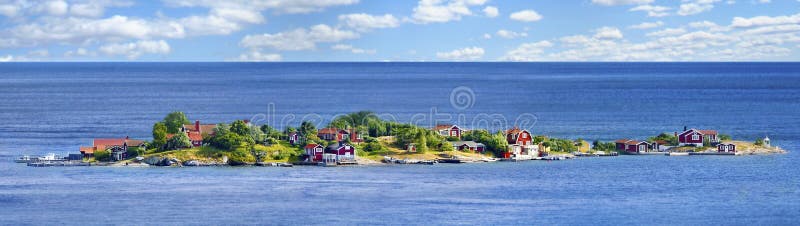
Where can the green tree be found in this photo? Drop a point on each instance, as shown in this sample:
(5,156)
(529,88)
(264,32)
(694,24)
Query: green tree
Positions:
(102,155)
(307,129)
(240,128)
(725,137)
(159,135)
(174,121)
(759,142)
(180,140)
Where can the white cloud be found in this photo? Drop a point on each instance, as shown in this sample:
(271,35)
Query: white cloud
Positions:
(298,39)
(668,32)
(647,25)
(740,22)
(343,47)
(652,10)
(691,7)
(56,7)
(280,6)
(621,2)
(608,33)
(491,11)
(95,8)
(528,51)
(9,10)
(256,56)
(441,11)
(526,16)
(7,58)
(510,34)
(463,54)
(133,50)
(366,22)
(487,36)
(81,30)
(80,52)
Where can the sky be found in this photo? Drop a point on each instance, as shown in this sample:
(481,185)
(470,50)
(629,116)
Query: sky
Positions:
(399,30)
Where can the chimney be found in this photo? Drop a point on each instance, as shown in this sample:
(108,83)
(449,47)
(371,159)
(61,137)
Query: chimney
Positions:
(197,126)
(684,128)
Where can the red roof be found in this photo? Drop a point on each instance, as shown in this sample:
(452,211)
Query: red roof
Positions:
(87,150)
(515,130)
(204,128)
(195,136)
(102,144)
(707,132)
(443,126)
(310,146)
(328,131)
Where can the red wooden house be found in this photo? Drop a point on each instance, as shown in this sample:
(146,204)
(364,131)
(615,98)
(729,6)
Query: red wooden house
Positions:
(635,146)
(195,132)
(334,134)
(314,152)
(695,137)
(339,153)
(118,148)
(449,130)
(519,137)
(294,138)
(468,146)
(726,147)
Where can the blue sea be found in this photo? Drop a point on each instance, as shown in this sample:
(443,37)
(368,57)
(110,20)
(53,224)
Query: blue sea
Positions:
(57,107)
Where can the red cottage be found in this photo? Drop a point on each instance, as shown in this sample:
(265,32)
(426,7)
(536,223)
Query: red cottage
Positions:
(635,146)
(195,132)
(334,134)
(695,137)
(294,138)
(118,148)
(449,130)
(339,153)
(517,136)
(314,152)
(726,147)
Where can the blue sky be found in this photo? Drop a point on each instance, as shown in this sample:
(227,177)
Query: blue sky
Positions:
(425,30)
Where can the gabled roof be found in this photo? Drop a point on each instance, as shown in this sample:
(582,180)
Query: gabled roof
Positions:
(468,143)
(622,141)
(726,144)
(195,136)
(515,130)
(309,146)
(204,128)
(328,131)
(707,132)
(445,126)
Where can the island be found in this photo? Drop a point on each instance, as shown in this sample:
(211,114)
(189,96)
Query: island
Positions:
(362,138)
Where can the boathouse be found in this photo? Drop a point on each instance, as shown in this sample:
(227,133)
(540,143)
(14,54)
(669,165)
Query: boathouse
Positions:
(314,152)
(726,147)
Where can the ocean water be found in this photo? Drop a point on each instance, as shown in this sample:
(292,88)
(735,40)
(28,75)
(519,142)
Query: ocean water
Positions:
(56,107)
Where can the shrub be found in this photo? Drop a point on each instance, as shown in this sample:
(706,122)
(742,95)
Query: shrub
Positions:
(102,155)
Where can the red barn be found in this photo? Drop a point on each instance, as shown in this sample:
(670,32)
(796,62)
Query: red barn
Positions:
(314,152)
(449,130)
(726,147)
(519,137)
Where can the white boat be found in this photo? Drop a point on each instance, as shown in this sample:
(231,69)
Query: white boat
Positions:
(48,157)
(23,159)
